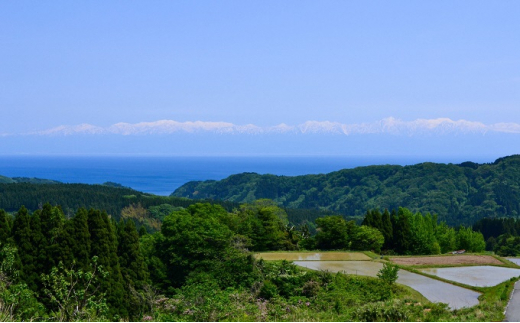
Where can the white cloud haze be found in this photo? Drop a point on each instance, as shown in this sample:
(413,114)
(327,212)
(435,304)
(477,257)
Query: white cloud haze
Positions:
(393,126)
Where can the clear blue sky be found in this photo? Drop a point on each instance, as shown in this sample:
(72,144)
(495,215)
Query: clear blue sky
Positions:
(259,62)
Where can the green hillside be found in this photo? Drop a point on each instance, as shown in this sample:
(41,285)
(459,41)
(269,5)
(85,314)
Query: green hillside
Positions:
(32,180)
(4,179)
(459,194)
(71,197)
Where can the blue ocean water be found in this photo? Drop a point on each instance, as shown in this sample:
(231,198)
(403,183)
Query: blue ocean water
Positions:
(162,175)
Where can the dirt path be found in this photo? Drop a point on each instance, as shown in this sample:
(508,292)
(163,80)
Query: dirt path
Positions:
(447,260)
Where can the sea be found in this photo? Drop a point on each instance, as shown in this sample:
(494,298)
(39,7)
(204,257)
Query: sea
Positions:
(162,175)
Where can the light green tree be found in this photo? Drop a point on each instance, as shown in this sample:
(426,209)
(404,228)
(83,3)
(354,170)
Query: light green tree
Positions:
(75,294)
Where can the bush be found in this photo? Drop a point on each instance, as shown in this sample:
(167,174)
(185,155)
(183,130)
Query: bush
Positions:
(383,312)
(311,288)
(389,273)
(268,290)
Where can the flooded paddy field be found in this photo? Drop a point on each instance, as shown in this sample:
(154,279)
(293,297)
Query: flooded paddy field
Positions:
(514,260)
(479,276)
(447,260)
(312,256)
(433,290)
(363,268)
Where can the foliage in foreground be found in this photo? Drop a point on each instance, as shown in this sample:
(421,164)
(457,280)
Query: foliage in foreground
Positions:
(198,268)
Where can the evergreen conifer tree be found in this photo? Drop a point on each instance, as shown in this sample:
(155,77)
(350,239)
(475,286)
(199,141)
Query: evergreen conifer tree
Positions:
(22,238)
(403,231)
(103,246)
(81,238)
(5,231)
(40,258)
(133,267)
(387,230)
(66,245)
(367,220)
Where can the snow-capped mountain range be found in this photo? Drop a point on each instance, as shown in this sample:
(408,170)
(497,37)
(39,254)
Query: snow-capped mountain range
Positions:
(393,126)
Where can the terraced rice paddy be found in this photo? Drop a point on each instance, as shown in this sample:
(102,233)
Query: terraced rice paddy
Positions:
(433,290)
(480,276)
(514,260)
(312,256)
(447,260)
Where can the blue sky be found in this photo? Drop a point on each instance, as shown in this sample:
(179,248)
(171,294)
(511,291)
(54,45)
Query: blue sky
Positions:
(101,63)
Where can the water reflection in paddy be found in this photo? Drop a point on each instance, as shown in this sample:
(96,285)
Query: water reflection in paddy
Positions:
(434,290)
(483,276)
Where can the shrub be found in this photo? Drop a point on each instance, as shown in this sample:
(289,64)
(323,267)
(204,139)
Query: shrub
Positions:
(311,288)
(268,290)
(389,273)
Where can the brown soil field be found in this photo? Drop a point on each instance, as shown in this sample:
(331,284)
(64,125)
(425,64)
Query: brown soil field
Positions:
(447,260)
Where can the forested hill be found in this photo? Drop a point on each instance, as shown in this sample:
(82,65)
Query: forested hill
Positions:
(109,197)
(459,194)
(32,180)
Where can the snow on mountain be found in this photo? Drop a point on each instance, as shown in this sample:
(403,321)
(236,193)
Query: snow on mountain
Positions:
(392,126)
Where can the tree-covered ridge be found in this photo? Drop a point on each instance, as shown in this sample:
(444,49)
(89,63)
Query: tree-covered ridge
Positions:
(458,194)
(72,197)
(32,180)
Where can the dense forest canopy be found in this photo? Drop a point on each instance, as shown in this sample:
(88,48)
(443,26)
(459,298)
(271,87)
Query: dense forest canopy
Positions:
(458,194)
(118,201)
(200,266)
(109,197)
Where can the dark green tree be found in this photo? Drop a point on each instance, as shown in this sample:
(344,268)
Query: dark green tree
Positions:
(5,230)
(41,261)
(387,230)
(103,246)
(266,224)
(133,267)
(196,242)
(81,237)
(22,237)
(332,233)
(403,232)
(65,245)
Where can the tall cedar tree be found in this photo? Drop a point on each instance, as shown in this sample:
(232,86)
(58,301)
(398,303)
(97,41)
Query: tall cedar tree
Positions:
(39,253)
(387,231)
(393,219)
(133,267)
(103,246)
(52,224)
(373,219)
(367,220)
(81,237)
(403,232)
(66,244)
(22,238)
(4,228)
(131,260)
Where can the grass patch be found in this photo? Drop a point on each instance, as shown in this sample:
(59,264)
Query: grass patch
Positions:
(372,254)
